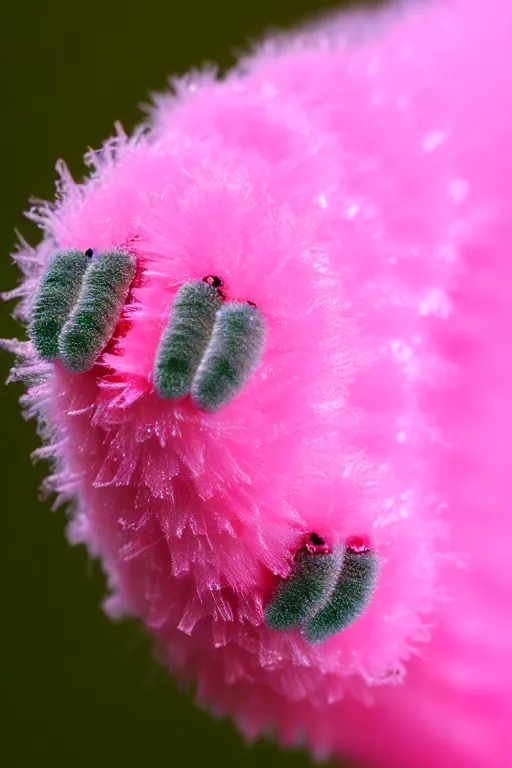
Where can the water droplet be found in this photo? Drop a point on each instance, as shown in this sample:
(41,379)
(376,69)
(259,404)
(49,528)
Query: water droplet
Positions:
(433,140)
(351,211)
(448,252)
(401,351)
(458,190)
(435,302)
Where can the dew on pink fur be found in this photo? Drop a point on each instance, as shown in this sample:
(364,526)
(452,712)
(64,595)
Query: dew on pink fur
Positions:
(358,544)
(354,181)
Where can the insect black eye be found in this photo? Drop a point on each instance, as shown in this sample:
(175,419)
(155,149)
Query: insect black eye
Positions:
(213,280)
(89,253)
(317,540)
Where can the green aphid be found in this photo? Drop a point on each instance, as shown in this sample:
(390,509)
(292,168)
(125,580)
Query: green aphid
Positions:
(57,293)
(185,338)
(299,597)
(96,313)
(233,354)
(351,595)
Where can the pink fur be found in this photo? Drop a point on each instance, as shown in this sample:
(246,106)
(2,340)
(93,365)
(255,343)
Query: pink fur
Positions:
(361,194)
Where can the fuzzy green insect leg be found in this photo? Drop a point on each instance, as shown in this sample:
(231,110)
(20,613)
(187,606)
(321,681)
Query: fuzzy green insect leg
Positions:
(351,595)
(185,338)
(299,597)
(57,293)
(93,320)
(232,356)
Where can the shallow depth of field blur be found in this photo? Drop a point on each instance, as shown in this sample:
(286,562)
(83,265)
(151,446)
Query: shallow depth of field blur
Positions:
(76,686)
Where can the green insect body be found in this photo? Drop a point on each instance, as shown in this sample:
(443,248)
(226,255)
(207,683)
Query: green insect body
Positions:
(185,338)
(93,319)
(297,598)
(233,354)
(56,295)
(349,599)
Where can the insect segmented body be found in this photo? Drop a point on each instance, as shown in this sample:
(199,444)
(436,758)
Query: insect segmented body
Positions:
(232,356)
(326,591)
(57,293)
(78,304)
(95,315)
(297,598)
(209,347)
(186,337)
(350,596)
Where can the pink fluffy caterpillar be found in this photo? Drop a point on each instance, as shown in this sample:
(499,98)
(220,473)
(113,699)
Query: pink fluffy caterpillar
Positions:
(352,196)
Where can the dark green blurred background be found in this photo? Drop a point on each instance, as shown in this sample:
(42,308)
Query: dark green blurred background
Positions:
(77,688)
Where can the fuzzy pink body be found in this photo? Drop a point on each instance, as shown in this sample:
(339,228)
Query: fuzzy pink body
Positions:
(360,192)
